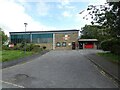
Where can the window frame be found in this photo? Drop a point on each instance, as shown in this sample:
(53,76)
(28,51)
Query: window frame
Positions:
(63,44)
(58,45)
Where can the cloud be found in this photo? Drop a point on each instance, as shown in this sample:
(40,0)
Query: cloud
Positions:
(65,2)
(67,8)
(97,2)
(13,17)
(42,8)
(66,14)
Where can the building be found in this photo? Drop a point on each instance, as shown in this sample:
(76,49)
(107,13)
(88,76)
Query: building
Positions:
(60,39)
(88,43)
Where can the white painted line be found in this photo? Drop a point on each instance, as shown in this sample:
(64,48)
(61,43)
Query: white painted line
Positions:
(103,73)
(12,84)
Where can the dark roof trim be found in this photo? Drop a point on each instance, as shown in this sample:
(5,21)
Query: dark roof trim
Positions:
(73,30)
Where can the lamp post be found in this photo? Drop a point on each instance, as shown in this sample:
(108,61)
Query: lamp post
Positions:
(25,35)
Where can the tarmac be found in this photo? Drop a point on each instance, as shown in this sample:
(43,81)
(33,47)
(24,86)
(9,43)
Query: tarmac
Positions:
(57,69)
(21,60)
(110,68)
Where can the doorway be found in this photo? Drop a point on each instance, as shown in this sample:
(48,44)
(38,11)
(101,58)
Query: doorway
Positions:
(73,45)
(80,45)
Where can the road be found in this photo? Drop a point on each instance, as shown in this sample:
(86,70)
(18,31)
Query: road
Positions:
(57,69)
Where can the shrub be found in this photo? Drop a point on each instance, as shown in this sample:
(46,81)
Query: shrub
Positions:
(32,47)
(29,47)
(105,45)
(16,47)
(5,47)
(22,45)
(36,45)
(112,45)
(37,49)
(115,49)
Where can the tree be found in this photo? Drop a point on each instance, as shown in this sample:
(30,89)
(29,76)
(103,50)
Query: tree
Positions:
(3,36)
(94,32)
(107,16)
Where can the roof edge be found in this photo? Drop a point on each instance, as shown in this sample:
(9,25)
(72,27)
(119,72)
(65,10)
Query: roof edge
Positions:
(46,31)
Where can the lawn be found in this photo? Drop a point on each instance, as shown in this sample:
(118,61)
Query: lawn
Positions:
(8,55)
(111,57)
(0,55)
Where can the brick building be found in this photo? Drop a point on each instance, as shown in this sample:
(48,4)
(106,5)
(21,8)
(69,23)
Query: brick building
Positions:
(60,39)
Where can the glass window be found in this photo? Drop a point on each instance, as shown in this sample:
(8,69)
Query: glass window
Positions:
(64,44)
(36,38)
(58,44)
(42,38)
(20,37)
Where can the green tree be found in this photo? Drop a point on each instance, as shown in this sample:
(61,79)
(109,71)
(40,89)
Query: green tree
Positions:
(107,15)
(94,32)
(3,36)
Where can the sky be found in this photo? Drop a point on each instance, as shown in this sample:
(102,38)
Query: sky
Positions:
(44,15)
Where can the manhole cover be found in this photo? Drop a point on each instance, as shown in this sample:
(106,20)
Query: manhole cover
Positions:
(21,76)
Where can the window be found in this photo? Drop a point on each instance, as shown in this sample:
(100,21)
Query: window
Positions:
(42,38)
(66,36)
(58,44)
(20,37)
(64,44)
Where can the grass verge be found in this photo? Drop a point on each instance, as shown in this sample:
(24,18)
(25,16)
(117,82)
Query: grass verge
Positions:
(0,55)
(8,55)
(112,57)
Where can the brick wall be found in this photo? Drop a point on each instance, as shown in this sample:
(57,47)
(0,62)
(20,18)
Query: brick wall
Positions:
(49,46)
(60,37)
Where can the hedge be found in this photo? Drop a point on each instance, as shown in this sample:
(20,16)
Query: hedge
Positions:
(112,45)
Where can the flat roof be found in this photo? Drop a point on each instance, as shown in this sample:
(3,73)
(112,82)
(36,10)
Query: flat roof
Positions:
(52,31)
(87,40)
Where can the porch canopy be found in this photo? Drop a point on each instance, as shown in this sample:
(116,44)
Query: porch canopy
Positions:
(88,40)
(87,43)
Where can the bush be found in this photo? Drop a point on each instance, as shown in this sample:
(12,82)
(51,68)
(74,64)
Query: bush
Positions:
(36,45)
(22,44)
(5,47)
(105,45)
(16,48)
(29,47)
(115,49)
(37,49)
(112,45)
(33,47)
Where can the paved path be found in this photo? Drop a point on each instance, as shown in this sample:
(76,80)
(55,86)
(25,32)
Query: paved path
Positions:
(105,64)
(57,69)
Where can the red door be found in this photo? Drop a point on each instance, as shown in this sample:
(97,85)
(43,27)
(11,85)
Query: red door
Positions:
(89,45)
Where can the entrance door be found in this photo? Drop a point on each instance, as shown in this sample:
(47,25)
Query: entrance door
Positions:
(89,45)
(80,45)
(73,45)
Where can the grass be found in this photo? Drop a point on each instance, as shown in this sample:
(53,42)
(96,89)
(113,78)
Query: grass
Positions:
(0,55)
(8,55)
(112,57)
